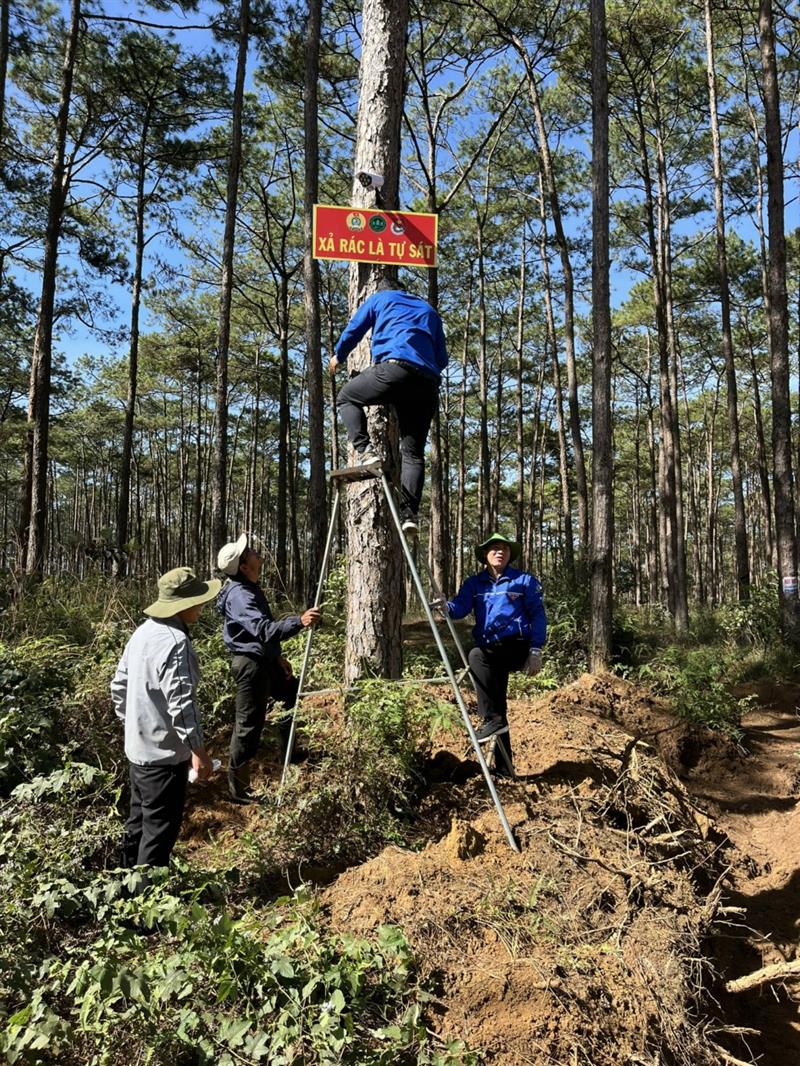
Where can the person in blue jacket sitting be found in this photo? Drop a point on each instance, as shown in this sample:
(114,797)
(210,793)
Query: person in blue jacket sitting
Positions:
(408,356)
(510,630)
(253,637)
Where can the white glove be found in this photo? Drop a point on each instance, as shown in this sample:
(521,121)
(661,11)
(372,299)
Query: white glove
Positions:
(533,663)
(438,603)
(215,765)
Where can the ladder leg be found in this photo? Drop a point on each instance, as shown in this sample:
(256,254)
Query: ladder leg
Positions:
(500,746)
(309,638)
(501,814)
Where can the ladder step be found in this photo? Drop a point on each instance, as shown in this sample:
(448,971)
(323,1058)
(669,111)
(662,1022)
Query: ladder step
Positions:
(355,473)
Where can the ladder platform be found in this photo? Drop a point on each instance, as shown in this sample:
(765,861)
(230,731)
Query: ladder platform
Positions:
(355,473)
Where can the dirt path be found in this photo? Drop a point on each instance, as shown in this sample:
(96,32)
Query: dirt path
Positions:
(756,801)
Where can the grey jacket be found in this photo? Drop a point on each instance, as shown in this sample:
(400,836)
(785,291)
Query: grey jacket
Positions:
(154,694)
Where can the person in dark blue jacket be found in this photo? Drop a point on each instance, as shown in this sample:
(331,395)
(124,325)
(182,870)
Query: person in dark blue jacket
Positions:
(408,356)
(253,638)
(510,630)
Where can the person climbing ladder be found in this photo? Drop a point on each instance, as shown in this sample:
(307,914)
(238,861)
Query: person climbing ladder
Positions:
(408,356)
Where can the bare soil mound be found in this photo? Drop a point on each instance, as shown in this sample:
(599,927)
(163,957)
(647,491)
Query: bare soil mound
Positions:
(758,807)
(587,946)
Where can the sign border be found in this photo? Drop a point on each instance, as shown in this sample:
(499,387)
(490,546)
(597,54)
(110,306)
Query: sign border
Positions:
(334,258)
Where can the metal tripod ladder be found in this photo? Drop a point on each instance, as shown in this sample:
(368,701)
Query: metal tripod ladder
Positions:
(360,473)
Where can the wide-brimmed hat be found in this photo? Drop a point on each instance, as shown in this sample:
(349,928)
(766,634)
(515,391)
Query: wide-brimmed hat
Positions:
(481,549)
(180,589)
(229,555)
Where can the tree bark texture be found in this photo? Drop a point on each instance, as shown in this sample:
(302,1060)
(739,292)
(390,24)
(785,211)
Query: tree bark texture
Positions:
(317,494)
(133,362)
(219,506)
(778,332)
(602,543)
(740,519)
(35,489)
(375,562)
(569,303)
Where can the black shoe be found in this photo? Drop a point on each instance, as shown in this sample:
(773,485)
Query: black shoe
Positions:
(501,770)
(490,728)
(239,786)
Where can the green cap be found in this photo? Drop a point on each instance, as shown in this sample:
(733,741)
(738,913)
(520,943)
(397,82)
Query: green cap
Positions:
(514,545)
(180,589)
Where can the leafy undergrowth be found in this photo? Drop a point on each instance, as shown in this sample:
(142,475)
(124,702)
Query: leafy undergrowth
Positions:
(179,972)
(222,962)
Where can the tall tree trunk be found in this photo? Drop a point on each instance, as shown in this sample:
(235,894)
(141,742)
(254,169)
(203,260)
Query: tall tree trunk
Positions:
(484,463)
(569,301)
(375,571)
(742,561)
(761,452)
(440,524)
(563,458)
(670,410)
(35,489)
(462,444)
(317,494)
(133,361)
(5,7)
(281,512)
(779,332)
(602,545)
(520,418)
(219,506)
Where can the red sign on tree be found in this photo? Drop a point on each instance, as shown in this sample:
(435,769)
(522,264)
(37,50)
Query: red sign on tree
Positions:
(402,238)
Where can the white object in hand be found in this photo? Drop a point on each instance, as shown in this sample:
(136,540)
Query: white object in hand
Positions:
(215,765)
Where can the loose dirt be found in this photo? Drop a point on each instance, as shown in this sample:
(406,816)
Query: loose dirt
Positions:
(587,946)
(756,802)
(656,863)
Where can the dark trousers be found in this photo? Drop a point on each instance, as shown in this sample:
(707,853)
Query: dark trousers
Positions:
(257,681)
(158,796)
(490,668)
(414,396)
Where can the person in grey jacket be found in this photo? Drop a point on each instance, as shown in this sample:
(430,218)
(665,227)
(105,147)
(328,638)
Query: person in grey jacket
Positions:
(154,692)
(253,637)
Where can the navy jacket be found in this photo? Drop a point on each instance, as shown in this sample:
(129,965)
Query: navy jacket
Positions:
(403,327)
(249,628)
(506,608)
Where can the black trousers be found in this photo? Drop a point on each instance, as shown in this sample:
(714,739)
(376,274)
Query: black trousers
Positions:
(257,681)
(414,396)
(158,796)
(490,668)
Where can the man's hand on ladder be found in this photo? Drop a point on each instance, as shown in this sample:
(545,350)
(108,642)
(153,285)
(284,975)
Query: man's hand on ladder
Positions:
(438,604)
(311,617)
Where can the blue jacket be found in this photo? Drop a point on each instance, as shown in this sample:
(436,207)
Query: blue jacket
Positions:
(249,628)
(403,327)
(511,607)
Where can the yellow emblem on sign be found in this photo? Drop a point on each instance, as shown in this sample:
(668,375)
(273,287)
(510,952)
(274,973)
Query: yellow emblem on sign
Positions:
(356,221)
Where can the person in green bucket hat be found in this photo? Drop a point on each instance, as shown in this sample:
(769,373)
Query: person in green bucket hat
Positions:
(154,693)
(509,632)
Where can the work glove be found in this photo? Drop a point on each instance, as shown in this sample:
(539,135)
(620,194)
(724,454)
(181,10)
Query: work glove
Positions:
(533,663)
(438,603)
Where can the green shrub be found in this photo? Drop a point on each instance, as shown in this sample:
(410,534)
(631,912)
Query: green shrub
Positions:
(756,622)
(698,681)
(359,789)
(34,678)
(92,975)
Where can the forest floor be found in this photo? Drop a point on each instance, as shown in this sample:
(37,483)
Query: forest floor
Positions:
(755,801)
(603,941)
